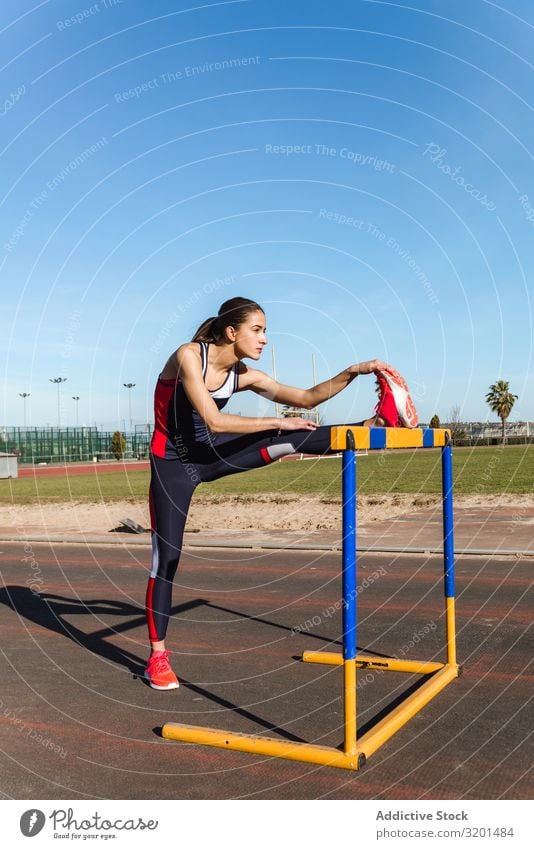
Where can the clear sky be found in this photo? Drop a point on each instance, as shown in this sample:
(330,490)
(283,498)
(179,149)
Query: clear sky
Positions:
(363,169)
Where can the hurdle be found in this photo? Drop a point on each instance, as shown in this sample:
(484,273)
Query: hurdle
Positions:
(355,751)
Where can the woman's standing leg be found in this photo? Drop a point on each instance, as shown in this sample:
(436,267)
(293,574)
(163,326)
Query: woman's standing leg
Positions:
(171,488)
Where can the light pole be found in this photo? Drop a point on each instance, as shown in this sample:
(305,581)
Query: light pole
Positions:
(24,395)
(58,381)
(129,387)
(76,398)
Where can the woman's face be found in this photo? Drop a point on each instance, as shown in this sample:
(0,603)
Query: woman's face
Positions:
(250,337)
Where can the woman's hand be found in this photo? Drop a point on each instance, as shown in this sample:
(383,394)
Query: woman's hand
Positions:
(295,423)
(367,368)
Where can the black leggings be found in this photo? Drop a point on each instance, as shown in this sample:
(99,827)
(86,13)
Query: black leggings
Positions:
(174,481)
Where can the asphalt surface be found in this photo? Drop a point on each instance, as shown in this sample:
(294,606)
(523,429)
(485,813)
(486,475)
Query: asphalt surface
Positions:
(77,722)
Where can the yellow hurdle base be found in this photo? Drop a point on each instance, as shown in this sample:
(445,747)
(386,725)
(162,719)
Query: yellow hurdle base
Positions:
(270,746)
(390,664)
(322,755)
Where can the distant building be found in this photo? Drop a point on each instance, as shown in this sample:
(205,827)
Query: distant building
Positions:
(301,413)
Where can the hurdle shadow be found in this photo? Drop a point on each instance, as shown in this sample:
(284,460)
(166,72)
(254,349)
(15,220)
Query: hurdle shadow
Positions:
(395,702)
(327,642)
(239,711)
(407,691)
(48,611)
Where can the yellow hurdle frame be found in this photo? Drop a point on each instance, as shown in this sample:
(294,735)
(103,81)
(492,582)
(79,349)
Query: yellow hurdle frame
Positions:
(356,751)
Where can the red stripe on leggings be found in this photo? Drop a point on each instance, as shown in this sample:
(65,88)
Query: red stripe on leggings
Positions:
(152,633)
(266,456)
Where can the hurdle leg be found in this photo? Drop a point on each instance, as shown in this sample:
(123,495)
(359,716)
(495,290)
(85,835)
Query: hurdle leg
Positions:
(349,595)
(448,551)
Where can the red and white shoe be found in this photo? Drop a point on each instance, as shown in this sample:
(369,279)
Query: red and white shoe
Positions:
(158,672)
(395,406)
(386,407)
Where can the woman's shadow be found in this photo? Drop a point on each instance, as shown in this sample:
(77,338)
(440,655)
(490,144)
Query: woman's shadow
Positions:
(50,611)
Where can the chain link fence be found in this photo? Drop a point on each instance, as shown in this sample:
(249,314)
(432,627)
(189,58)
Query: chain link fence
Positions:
(70,445)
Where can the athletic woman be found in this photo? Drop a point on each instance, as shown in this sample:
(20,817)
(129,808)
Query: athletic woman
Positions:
(195,442)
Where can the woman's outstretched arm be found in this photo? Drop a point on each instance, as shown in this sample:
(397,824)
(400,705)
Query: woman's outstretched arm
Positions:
(190,372)
(268,387)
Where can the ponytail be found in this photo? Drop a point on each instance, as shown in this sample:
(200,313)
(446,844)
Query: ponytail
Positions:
(231,314)
(206,331)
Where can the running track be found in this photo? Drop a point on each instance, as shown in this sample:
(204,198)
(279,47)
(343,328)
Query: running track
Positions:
(73,636)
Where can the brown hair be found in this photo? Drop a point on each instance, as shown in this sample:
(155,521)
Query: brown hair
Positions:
(231,314)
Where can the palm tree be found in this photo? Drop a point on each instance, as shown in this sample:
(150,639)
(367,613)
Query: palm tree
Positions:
(501,401)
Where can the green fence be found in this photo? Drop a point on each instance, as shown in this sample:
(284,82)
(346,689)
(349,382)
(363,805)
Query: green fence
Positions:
(68,445)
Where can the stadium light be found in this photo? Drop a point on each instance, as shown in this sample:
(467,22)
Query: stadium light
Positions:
(58,381)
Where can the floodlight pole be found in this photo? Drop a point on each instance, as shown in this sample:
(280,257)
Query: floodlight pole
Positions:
(24,395)
(76,398)
(129,387)
(58,381)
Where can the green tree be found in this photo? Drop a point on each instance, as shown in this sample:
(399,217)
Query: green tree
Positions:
(118,445)
(434,421)
(501,400)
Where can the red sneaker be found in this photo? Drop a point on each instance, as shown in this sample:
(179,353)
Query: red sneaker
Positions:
(158,672)
(386,407)
(393,388)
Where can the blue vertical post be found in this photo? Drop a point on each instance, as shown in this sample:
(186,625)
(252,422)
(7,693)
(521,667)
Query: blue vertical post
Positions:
(349,592)
(349,554)
(448,549)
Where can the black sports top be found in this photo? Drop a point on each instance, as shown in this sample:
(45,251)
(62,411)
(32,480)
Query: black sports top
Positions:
(177,423)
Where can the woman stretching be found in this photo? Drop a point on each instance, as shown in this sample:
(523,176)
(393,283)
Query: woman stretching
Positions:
(194,442)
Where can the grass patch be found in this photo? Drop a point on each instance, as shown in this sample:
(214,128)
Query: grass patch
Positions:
(484,471)
(110,486)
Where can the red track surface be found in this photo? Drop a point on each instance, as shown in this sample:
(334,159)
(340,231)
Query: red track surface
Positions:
(82,469)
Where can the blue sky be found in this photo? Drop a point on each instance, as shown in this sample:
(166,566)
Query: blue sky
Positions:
(363,169)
